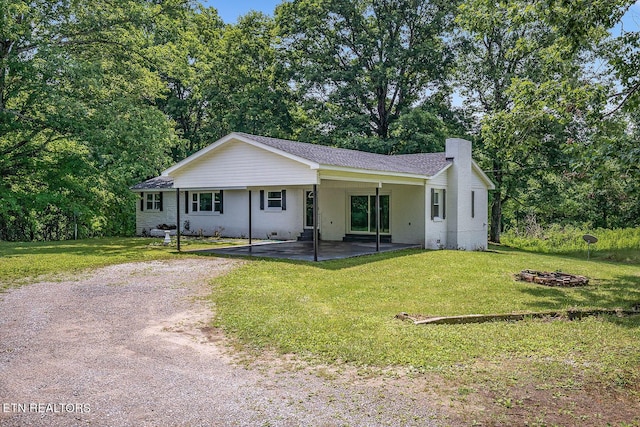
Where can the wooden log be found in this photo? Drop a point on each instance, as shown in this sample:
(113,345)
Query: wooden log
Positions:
(573,314)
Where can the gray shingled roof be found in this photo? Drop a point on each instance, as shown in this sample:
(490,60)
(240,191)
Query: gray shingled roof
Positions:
(426,164)
(157,183)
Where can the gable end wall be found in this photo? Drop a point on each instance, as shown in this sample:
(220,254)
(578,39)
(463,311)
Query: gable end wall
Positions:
(238,164)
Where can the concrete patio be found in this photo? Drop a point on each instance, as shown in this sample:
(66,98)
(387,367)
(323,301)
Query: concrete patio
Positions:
(304,250)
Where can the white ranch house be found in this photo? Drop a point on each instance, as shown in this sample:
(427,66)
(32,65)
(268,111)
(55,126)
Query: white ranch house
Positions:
(246,185)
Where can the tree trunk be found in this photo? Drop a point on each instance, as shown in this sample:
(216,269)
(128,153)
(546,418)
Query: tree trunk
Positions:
(496,203)
(496,217)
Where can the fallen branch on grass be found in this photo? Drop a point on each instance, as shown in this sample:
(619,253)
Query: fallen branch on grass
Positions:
(572,314)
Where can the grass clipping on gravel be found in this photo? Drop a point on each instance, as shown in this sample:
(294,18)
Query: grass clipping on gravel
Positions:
(344,310)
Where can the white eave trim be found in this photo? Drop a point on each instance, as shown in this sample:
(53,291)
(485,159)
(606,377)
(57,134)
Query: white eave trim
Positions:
(371,172)
(212,188)
(236,137)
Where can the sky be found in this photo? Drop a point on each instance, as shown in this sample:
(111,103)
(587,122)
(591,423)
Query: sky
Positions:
(230,10)
(631,20)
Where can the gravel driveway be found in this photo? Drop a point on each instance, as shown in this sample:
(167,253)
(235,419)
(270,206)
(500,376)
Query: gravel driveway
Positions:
(129,345)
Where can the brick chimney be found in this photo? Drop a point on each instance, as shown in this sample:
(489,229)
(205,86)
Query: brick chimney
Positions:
(460,176)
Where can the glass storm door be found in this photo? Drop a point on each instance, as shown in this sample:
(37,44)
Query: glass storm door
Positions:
(363,214)
(308,209)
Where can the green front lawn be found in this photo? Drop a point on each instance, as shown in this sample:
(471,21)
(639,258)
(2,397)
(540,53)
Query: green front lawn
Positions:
(344,310)
(534,372)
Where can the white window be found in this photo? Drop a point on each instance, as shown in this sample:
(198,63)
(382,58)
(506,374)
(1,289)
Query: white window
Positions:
(438,203)
(206,202)
(153,201)
(274,199)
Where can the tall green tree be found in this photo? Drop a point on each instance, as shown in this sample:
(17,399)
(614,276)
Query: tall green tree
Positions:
(77,120)
(605,173)
(600,189)
(224,78)
(598,25)
(190,70)
(254,94)
(358,66)
(527,87)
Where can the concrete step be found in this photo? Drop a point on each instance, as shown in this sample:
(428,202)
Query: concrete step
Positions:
(307,235)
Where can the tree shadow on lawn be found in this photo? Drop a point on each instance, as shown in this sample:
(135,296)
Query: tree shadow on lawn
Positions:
(622,291)
(332,265)
(623,283)
(627,256)
(85,247)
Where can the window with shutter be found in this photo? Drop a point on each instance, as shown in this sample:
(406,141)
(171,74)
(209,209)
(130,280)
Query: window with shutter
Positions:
(438,204)
(153,202)
(274,199)
(206,202)
(435,203)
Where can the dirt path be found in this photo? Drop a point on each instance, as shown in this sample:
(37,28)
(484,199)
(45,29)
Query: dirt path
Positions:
(128,345)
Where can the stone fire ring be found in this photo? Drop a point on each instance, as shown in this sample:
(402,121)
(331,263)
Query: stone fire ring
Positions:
(552,279)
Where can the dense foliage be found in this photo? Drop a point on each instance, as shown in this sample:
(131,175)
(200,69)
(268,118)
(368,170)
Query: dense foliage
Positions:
(78,123)
(96,96)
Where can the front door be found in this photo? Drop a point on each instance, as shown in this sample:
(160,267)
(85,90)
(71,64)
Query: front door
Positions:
(363,214)
(308,209)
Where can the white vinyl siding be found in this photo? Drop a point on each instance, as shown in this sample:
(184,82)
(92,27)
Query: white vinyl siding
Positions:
(408,218)
(440,180)
(149,219)
(285,225)
(237,164)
